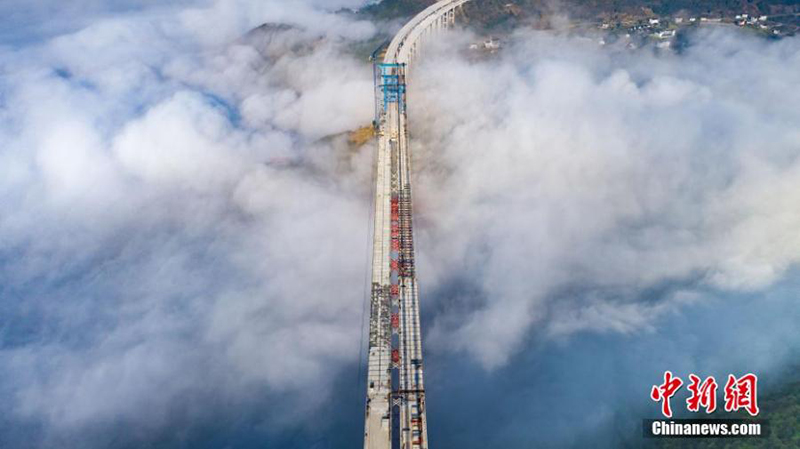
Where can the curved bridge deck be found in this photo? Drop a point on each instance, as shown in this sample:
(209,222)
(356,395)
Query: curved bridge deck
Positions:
(396,415)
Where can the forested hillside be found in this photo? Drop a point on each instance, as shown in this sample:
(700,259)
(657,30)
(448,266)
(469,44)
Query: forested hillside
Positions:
(498,12)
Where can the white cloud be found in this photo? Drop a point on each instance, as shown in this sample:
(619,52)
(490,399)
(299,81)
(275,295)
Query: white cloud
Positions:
(562,169)
(157,248)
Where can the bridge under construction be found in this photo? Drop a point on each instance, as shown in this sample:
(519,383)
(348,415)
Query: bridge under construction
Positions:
(396,415)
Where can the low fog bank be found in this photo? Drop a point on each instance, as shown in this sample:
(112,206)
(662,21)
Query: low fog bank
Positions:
(589,217)
(182,224)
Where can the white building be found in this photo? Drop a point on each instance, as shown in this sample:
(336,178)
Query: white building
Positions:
(491,44)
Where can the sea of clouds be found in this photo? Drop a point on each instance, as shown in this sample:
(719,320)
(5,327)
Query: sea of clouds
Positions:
(184,226)
(564,166)
(590,216)
(175,237)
